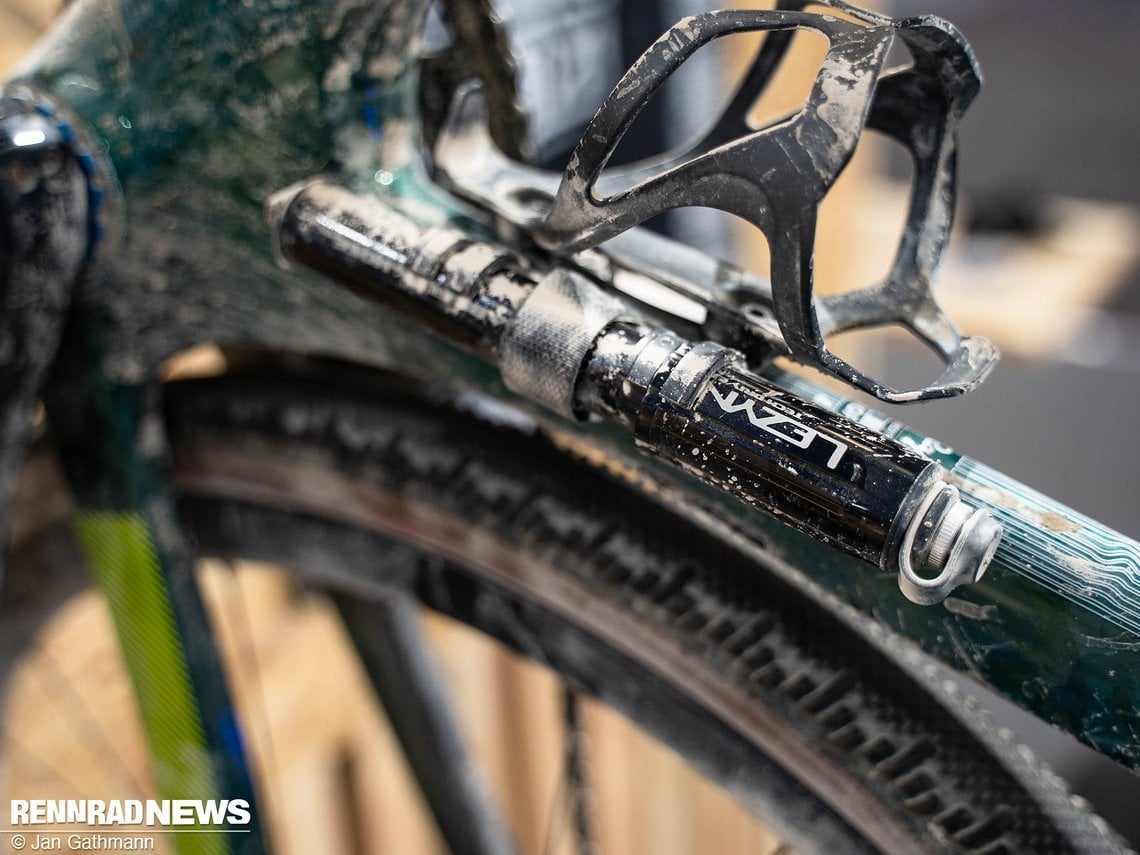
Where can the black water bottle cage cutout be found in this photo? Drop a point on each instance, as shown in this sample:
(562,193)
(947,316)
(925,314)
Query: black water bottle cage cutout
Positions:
(776,176)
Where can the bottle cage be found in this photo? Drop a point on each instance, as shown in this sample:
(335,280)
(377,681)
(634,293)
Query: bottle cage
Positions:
(776,177)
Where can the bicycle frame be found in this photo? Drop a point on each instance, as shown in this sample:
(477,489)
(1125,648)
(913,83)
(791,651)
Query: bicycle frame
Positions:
(198,112)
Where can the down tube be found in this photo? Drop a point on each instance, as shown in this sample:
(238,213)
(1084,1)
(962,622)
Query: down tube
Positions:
(1055,624)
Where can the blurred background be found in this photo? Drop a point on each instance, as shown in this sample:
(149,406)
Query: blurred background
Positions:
(1044,262)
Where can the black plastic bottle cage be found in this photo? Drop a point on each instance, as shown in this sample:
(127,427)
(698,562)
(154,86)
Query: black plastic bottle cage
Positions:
(777,176)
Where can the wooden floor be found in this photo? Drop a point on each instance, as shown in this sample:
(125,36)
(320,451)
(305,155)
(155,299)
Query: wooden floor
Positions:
(330,775)
(332,778)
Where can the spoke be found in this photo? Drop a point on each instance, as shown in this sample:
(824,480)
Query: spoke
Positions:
(394,652)
(577,764)
(246,678)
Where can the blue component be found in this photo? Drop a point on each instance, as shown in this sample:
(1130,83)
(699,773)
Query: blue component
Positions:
(231,736)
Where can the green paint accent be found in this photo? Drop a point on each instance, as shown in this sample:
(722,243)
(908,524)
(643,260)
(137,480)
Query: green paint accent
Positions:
(121,551)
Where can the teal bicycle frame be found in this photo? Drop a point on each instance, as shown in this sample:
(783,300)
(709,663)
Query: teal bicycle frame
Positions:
(192,114)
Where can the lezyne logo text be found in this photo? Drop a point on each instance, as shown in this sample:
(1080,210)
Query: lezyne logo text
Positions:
(778,424)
